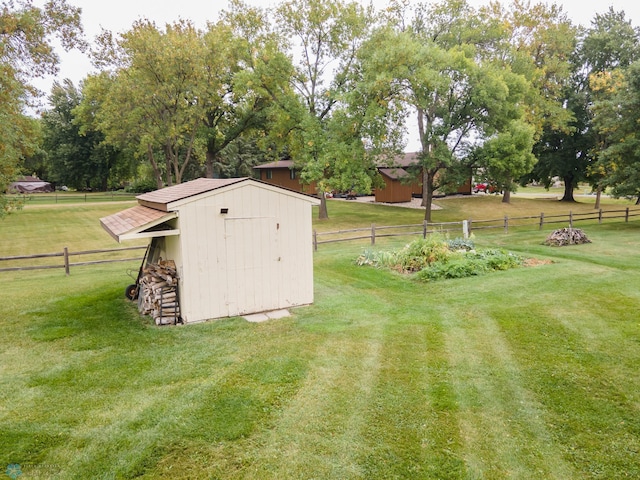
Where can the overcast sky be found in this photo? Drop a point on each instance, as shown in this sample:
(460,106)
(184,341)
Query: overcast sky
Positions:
(118,16)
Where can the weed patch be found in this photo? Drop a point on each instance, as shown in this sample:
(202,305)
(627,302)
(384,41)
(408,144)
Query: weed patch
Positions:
(435,258)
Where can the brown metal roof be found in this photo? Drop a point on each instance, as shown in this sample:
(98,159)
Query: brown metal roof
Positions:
(400,160)
(130,219)
(276,164)
(159,199)
(394,173)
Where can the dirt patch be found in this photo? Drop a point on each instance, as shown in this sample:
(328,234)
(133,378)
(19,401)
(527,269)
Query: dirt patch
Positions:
(534,262)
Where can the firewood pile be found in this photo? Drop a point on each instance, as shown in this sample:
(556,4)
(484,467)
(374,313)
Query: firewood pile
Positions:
(566,236)
(159,293)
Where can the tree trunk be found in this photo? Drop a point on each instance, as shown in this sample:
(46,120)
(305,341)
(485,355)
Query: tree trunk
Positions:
(209,172)
(568,189)
(322,211)
(506,196)
(156,171)
(427,194)
(598,197)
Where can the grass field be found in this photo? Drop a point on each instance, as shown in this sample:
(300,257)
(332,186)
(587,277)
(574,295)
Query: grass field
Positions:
(530,373)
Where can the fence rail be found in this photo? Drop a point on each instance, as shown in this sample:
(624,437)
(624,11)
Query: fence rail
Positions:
(465,227)
(56,198)
(66,256)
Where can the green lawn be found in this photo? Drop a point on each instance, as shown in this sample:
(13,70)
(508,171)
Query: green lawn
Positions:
(530,373)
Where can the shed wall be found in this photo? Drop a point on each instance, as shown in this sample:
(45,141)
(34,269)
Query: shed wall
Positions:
(257,257)
(393,192)
(282,178)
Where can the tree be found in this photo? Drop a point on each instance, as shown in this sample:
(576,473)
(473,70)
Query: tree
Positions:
(610,45)
(538,42)
(617,115)
(26,52)
(77,154)
(566,153)
(154,94)
(438,67)
(308,117)
(508,155)
(247,67)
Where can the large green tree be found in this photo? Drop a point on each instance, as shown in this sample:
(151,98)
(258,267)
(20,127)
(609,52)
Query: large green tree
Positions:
(616,120)
(26,52)
(610,46)
(152,96)
(438,67)
(76,152)
(536,41)
(572,153)
(308,118)
(248,68)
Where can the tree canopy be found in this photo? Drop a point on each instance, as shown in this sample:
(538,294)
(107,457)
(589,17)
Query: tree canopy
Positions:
(509,91)
(27,33)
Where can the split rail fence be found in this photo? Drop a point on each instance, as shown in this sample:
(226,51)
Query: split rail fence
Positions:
(464,227)
(66,259)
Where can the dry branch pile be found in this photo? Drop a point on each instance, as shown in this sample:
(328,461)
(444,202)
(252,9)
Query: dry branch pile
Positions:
(159,293)
(566,236)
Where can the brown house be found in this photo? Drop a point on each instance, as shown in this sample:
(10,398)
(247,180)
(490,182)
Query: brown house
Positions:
(396,177)
(284,174)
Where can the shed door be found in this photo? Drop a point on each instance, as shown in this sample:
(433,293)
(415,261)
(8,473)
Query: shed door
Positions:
(254,265)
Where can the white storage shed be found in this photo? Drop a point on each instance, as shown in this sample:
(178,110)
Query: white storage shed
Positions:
(240,246)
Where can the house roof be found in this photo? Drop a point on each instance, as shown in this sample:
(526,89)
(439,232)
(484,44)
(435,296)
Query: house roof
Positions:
(408,159)
(394,173)
(276,164)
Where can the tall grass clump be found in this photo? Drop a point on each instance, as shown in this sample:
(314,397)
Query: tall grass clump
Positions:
(435,258)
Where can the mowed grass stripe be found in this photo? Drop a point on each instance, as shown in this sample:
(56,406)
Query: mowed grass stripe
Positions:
(502,423)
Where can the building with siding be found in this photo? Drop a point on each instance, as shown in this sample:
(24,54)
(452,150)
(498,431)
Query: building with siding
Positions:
(240,246)
(284,174)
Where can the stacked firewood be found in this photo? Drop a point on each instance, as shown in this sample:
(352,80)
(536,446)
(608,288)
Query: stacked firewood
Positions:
(159,292)
(566,236)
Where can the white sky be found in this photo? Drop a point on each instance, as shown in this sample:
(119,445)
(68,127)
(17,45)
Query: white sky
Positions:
(118,16)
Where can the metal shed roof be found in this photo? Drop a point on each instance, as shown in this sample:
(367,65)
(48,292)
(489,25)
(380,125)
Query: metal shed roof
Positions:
(159,199)
(155,208)
(131,222)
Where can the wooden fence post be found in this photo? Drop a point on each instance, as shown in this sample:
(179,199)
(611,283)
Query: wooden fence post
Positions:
(570,219)
(506,224)
(465,229)
(600,216)
(373,234)
(315,240)
(424,229)
(541,220)
(66,261)
(626,215)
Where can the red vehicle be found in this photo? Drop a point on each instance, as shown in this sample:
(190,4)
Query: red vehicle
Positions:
(484,188)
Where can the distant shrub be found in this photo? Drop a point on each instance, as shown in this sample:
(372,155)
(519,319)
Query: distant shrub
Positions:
(142,186)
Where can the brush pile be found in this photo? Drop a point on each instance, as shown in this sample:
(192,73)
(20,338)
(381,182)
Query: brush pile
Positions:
(159,293)
(566,236)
